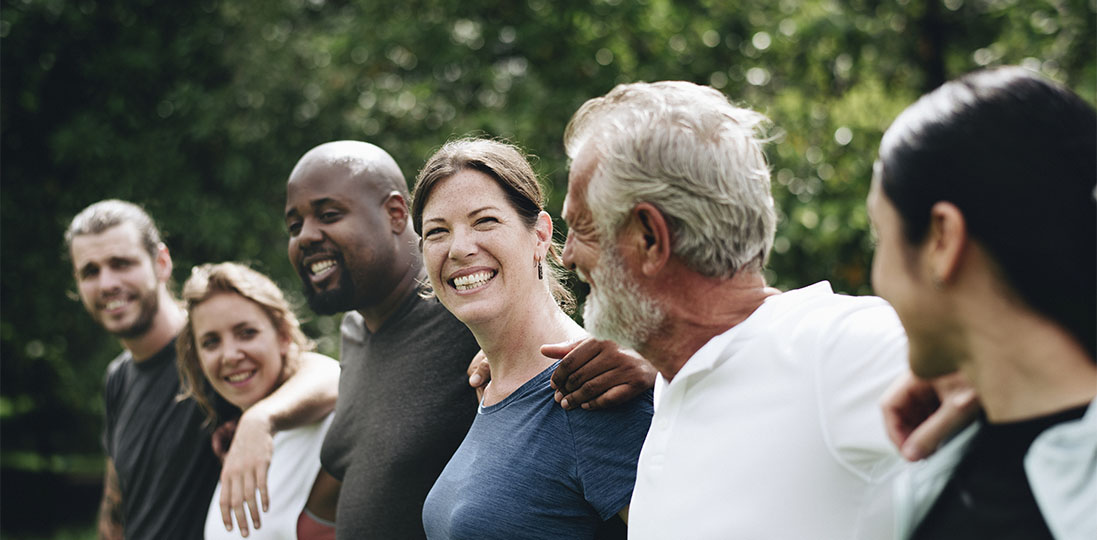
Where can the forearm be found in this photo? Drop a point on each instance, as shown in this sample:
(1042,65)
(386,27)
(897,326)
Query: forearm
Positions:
(304,398)
(110,509)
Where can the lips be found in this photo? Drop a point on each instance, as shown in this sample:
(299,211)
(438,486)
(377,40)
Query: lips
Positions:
(115,306)
(240,377)
(472,280)
(320,268)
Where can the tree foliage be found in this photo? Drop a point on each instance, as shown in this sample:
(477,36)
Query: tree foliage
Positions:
(198,110)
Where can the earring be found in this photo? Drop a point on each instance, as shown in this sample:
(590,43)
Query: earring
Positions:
(540,271)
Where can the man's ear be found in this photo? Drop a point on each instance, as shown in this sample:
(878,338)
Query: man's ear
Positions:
(946,241)
(162,265)
(396,206)
(650,237)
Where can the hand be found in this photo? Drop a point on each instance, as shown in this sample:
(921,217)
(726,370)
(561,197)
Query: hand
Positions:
(245,471)
(222,439)
(597,373)
(479,373)
(921,414)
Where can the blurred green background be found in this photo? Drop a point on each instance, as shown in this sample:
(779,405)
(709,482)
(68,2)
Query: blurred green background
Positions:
(198,110)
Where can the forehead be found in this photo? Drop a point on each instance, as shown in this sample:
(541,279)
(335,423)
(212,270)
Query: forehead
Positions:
(225,308)
(120,241)
(582,169)
(465,189)
(324,180)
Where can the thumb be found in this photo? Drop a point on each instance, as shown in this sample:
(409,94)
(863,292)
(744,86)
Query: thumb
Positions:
(560,350)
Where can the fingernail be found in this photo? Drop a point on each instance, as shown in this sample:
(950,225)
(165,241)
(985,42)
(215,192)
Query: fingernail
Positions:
(558,396)
(475,379)
(564,403)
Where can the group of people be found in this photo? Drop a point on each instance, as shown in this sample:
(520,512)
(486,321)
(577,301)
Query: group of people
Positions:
(695,402)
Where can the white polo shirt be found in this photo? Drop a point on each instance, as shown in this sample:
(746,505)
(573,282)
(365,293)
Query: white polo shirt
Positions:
(772,430)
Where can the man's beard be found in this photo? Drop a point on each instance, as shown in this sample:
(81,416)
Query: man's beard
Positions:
(616,309)
(149,304)
(332,301)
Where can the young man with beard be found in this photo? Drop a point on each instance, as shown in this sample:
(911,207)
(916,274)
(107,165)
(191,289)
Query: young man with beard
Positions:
(766,422)
(161,470)
(405,402)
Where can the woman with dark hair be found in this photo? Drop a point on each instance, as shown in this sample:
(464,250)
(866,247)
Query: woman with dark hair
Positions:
(983,203)
(527,468)
(241,341)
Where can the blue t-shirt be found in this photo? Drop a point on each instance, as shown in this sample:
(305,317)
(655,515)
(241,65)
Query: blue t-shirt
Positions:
(530,469)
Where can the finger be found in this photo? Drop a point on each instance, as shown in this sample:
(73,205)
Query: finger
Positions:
(226,505)
(614,396)
(955,412)
(249,499)
(590,390)
(241,521)
(560,350)
(578,355)
(479,373)
(261,480)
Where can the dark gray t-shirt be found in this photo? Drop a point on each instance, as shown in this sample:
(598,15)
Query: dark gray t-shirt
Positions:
(160,449)
(529,469)
(404,405)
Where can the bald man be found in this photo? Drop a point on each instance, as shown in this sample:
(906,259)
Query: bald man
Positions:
(406,402)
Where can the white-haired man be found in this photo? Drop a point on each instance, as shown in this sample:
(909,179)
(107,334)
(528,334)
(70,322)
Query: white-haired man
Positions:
(766,422)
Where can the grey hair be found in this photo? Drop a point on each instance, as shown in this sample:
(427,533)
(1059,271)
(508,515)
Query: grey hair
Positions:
(110,213)
(687,150)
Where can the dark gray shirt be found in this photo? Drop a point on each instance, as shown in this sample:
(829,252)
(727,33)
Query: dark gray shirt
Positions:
(160,449)
(404,406)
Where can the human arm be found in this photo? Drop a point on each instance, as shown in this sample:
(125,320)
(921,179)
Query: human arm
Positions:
(305,397)
(317,520)
(921,414)
(110,508)
(595,373)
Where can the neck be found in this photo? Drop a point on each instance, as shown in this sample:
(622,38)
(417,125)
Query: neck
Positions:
(700,308)
(1023,365)
(167,324)
(407,283)
(512,343)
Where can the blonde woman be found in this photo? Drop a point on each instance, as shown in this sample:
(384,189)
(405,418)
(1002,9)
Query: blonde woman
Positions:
(240,343)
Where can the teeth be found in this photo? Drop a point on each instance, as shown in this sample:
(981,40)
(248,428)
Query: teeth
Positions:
(239,376)
(472,281)
(319,266)
(114,304)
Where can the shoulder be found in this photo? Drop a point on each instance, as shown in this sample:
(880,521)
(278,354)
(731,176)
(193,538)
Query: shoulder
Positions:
(632,417)
(817,313)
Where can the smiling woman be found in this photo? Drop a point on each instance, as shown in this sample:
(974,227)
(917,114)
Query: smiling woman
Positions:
(527,467)
(242,341)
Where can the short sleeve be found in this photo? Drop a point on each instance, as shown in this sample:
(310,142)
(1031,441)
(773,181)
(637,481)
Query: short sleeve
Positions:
(864,351)
(607,447)
(113,383)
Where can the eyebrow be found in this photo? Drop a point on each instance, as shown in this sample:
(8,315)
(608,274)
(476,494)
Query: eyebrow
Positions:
(315,203)
(470,214)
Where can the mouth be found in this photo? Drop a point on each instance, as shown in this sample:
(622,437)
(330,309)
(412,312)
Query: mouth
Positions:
(236,379)
(473,281)
(113,307)
(320,269)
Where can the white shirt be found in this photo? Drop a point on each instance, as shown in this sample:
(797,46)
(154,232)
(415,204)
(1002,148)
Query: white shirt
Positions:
(293,469)
(772,429)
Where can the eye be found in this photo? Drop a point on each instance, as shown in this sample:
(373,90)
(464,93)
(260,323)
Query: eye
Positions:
(294,227)
(434,233)
(487,220)
(328,216)
(89,272)
(208,343)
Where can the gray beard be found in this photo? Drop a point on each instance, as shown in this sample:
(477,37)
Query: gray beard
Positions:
(616,309)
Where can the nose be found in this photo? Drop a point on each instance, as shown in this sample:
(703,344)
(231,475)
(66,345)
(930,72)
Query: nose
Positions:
(462,243)
(310,233)
(568,256)
(109,280)
(232,351)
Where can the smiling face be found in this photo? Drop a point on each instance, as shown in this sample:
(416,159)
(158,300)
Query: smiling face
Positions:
(340,241)
(241,352)
(119,283)
(480,256)
(616,308)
